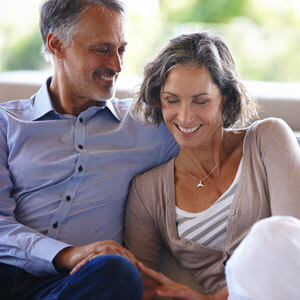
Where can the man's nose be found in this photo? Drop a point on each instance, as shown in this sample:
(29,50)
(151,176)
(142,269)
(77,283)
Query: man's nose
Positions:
(115,62)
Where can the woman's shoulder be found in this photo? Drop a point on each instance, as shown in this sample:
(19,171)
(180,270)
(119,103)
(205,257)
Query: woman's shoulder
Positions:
(156,175)
(149,189)
(269,133)
(269,124)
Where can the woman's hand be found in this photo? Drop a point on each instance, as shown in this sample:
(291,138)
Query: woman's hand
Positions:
(157,284)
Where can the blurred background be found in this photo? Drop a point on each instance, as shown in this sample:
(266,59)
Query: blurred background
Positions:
(264,35)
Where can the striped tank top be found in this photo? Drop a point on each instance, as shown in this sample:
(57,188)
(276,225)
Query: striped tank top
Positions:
(208,227)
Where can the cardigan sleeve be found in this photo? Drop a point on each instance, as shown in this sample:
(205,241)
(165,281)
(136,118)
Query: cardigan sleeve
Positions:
(141,235)
(280,154)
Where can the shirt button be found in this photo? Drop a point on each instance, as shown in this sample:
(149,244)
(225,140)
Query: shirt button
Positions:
(80,146)
(55,225)
(232,212)
(68,198)
(80,119)
(80,168)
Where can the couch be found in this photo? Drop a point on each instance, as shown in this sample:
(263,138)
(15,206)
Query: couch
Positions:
(280,100)
(277,103)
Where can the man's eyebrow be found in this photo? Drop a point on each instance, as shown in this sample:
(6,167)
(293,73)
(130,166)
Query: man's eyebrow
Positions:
(107,44)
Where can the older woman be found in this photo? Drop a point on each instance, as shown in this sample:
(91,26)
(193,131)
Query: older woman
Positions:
(225,178)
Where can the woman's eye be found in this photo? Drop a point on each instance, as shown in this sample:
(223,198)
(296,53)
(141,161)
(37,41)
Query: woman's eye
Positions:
(171,101)
(201,102)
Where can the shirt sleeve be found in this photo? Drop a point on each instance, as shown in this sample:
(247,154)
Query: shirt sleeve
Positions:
(281,157)
(21,246)
(170,147)
(141,237)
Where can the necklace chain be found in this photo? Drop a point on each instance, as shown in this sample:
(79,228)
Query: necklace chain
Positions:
(200,184)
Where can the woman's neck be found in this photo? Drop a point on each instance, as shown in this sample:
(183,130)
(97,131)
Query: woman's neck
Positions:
(205,157)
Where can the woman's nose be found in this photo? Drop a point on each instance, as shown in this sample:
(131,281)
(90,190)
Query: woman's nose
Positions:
(185,114)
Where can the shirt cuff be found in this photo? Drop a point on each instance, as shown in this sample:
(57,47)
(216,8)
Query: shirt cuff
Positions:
(42,254)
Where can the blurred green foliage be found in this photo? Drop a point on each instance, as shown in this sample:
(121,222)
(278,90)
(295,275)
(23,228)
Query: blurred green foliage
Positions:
(204,11)
(24,54)
(264,36)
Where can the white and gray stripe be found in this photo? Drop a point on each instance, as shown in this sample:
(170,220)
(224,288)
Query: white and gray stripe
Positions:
(208,227)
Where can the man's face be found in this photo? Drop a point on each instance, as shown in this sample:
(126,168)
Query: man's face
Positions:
(94,59)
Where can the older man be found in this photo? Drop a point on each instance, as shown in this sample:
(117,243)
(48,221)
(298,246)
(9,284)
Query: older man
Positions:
(67,156)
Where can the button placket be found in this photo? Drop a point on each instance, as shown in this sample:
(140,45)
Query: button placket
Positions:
(55,225)
(81,157)
(79,143)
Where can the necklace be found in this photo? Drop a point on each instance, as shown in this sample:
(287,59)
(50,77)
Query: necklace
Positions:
(200,184)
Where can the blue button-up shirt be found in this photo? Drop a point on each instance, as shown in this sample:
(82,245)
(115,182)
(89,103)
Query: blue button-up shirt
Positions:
(64,179)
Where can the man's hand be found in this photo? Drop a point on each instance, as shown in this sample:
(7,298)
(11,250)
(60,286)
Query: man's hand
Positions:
(73,258)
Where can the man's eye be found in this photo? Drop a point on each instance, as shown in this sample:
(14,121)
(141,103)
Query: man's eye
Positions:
(122,50)
(102,50)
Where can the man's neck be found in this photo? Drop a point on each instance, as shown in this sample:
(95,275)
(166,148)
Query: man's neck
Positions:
(70,105)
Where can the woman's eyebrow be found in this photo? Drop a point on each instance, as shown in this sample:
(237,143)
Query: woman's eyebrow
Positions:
(199,95)
(169,93)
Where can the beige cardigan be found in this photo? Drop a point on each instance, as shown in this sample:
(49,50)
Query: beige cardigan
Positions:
(269,185)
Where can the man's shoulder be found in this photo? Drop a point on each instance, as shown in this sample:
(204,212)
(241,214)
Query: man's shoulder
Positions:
(17,108)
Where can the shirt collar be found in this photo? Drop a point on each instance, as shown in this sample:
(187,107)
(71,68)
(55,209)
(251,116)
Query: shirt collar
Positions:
(119,108)
(43,104)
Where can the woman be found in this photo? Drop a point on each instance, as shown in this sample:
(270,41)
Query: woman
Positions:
(201,204)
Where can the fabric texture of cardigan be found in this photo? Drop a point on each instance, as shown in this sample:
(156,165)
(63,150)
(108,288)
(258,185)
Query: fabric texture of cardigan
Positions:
(269,185)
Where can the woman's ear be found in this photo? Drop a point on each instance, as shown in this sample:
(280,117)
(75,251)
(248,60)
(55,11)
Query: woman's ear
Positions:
(55,45)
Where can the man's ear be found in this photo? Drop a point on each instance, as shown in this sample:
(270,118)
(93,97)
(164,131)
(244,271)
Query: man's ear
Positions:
(55,45)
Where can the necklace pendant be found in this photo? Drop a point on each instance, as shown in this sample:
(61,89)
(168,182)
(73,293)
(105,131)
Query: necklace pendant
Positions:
(200,184)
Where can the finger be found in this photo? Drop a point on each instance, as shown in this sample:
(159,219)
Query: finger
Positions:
(112,247)
(179,292)
(82,263)
(153,274)
(149,282)
(148,294)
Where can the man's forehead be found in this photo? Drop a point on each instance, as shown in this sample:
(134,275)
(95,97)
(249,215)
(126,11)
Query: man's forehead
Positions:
(103,26)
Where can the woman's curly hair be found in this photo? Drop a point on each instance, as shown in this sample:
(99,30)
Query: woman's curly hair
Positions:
(200,49)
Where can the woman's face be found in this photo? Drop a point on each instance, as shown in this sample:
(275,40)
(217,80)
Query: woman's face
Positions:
(192,106)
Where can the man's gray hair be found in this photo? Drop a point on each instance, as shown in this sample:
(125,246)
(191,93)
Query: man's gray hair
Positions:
(61,17)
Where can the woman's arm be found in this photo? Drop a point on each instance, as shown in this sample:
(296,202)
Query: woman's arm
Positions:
(141,235)
(281,157)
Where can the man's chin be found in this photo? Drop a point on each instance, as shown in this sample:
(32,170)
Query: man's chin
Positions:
(105,96)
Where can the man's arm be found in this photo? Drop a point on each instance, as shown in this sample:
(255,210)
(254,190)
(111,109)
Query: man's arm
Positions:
(21,246)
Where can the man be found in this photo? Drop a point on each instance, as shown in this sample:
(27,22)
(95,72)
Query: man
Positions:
(67,156)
